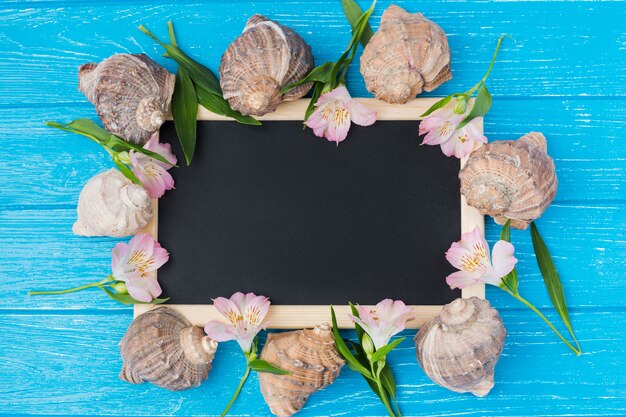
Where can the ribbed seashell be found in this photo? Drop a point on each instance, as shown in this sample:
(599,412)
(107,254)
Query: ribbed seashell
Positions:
(266,57)
(459,348)
(407,55)
(163,348)
(509,179)
(312,359)
(131,93)
(111,205)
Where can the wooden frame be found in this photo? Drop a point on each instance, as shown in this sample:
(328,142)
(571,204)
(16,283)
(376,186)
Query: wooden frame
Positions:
(301,316)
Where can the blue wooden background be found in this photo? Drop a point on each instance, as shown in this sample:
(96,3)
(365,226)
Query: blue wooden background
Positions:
(564,75)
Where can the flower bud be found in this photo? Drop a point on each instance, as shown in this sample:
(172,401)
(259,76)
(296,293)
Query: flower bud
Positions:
(123,157)
(460,105)
(120,287)
(367,345)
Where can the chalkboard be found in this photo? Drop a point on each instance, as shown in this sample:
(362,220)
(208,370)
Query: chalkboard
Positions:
(274,210)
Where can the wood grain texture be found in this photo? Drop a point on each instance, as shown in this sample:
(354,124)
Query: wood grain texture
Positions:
(564,75)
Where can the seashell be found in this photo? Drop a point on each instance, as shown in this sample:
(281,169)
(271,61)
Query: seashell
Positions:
(266,57)
(163,348)
(111,205)
(509,179)
(131,93)
(407,55)
(459,348)
(312,359)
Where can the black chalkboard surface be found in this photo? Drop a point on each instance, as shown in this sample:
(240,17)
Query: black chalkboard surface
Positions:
(275,210)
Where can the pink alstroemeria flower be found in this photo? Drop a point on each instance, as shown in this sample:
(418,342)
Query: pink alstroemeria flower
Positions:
(386,319)
(133,263)
(152,173)
(246,313)
(471,256)
(335,111)
(441,129)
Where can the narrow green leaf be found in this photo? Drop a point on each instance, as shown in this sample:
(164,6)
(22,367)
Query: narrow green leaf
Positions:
(259,365)
(359,330)
(218,105)
(481,106)
(184,111)
(551,278)
(388,381)
(384,351)
(441,103)
(84,127)
(120,145)
(317,92)
(344,351)
(511,279)
(320,73)
(127,299)
(352,11)
(127,172)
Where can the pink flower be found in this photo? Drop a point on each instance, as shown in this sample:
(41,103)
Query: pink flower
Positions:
(441,128)
(152,173)
(133,263)
(384,320)
(246,313)
(471,256)
(335,110)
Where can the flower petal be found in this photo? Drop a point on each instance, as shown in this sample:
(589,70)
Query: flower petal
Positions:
(339,124)
(461,279)
(360,114)
(139,289)
(503,262)
(219,331)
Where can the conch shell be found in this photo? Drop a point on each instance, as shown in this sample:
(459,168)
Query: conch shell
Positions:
(312,359)
(509,179)
(111,205)
(131,93)
(163,348)
(407,54)
(266,57)
(459,348)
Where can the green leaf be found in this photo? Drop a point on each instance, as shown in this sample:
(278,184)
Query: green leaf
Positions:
(84,127)
(200,74)
(551,278)
(184,111)
(317,92)
(218,105)
(481,106)
(388,381)
(353,11)
(441,103)
(320,73)
(359,330)
(381,353)
(120,145)
(127,172)
(511,279)
(127,299)
(353,363)
(259,365)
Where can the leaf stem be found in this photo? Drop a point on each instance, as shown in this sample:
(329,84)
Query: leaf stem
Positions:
(241,383)
(544,318)
(493,61)
(70,290)
(383,392)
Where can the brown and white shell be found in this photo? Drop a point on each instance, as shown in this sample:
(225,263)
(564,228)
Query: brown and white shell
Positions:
(407,55)
(509,179)
(131,93)
(111,205)
(266,57)
(163,348)
(312,359)
(459,348)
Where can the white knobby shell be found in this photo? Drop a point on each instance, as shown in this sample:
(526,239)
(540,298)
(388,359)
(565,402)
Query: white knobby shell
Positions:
(511,180)
(459,348)
(407,54)
(266,57)
(111,205)
(130,92)
(163,348)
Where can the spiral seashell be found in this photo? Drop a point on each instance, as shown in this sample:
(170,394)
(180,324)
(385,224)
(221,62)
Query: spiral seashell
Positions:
(131,93)
(163,348)
(459,348)
(266,57)
(111,205)
(407,54)
(312,359)
(509,179)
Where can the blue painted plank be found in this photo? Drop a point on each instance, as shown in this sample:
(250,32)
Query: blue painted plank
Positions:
(561,48)
(38,251)
(68,364)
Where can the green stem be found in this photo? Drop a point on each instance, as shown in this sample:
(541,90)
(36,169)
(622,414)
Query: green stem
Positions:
(544,318)
(241,383)
(383,392)
(493,61)
(70,290)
